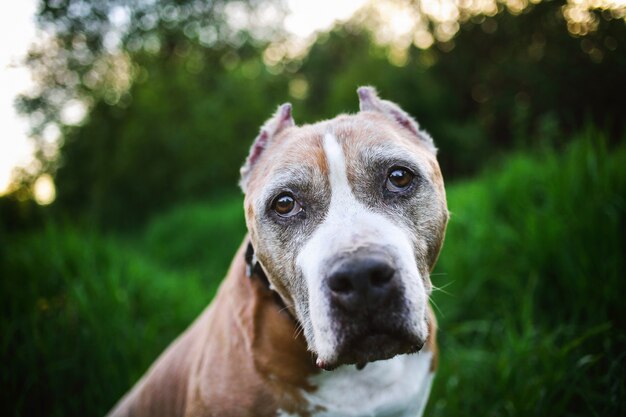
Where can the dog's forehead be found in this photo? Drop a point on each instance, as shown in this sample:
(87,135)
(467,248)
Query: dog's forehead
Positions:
(298,152)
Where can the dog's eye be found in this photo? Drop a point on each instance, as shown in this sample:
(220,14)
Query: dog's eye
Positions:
(285,205)
(399,179)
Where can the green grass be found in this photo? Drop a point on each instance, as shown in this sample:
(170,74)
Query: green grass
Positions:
(530,309)
(85,315)
(533,276)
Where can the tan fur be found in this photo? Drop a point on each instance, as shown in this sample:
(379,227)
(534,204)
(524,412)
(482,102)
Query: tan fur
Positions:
(431,342)
(241,357)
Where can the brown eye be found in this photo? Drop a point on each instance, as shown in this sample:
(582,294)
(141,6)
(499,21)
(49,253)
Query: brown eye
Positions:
(399,179)
(285,205)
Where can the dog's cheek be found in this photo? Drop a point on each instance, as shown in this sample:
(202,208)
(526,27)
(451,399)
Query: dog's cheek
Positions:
(276,255)
(433,233)
(426,220)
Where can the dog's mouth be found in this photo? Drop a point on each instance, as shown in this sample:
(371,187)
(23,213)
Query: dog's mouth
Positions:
(371,346)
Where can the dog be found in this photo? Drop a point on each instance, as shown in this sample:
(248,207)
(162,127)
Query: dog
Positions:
(324,311)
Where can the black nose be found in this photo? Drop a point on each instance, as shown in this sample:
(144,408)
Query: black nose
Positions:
(362,282)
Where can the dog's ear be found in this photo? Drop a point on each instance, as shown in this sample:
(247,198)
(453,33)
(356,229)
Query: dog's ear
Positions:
(274,125)
(369,101)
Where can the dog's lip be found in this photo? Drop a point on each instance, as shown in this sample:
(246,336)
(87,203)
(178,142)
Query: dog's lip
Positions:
(358,350)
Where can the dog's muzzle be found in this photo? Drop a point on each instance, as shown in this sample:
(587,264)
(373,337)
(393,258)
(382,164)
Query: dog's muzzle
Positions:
(368,309)
(362,282)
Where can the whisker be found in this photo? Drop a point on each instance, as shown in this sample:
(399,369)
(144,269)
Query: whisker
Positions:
(284,308)
(437,307)
(442,288)
(299,331)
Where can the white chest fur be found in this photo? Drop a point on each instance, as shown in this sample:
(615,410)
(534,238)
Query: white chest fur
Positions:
(398,387)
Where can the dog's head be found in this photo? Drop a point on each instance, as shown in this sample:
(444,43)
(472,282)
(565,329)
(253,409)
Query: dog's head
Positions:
(347,217)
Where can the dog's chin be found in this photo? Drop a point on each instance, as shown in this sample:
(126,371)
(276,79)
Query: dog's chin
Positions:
(370,347)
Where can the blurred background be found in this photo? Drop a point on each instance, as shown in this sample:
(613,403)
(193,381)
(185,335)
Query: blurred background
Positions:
(119,209)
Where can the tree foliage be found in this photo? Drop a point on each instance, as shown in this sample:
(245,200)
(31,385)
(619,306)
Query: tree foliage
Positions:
(182,88)
(89,55)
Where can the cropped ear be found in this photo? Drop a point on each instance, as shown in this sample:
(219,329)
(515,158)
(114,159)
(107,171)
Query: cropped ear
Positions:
(274,125)
(369,101)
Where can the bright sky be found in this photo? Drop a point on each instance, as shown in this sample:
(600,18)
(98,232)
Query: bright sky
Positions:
(17,32)
(308,16)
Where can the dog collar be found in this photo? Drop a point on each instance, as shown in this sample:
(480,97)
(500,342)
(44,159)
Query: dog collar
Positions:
(254,269)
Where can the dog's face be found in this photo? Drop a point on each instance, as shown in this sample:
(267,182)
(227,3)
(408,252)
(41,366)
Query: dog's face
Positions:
(347,217)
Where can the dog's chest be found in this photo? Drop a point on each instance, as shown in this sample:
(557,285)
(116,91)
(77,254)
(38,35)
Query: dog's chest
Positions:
(397,387)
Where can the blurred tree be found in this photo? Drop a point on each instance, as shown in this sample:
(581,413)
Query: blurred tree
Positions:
(526,79)
(88,55)
(175,91)
(178,138)
(508,77)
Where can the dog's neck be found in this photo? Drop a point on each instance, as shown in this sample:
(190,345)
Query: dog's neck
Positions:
(281,358)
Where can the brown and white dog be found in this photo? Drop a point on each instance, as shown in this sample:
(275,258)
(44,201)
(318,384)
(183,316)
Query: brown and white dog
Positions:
(346,218)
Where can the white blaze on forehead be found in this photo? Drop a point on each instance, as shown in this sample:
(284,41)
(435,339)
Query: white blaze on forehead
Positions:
(337,167)
(350,225)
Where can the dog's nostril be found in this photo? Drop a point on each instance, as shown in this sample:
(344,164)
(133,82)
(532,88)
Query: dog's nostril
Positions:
(340,283)
(362,279)
(381,275)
